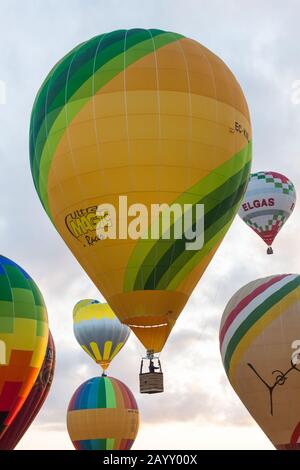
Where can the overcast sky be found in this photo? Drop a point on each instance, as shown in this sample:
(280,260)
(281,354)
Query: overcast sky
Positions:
(259,41)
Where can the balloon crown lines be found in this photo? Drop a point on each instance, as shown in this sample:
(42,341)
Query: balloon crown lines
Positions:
(136,221)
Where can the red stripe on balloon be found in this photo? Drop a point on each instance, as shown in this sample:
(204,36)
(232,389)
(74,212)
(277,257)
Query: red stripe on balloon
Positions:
(125,395)
(9,394)
(281,177)
(296,434)
(245,301)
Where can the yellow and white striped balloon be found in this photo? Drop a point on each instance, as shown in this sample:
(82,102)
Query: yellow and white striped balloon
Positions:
(98,331)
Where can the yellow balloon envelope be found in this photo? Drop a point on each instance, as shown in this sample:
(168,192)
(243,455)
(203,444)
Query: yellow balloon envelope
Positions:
(132,120)
(260,348)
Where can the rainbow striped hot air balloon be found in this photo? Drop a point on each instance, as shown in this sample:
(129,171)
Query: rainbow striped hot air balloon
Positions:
(98,331)
(23,338)
(151,118)
(103,415)
(260,348)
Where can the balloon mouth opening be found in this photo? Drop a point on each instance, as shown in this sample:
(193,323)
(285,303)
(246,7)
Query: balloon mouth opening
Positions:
(103,364)
(147,326)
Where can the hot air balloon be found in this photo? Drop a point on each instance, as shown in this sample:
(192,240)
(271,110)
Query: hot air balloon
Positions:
(33,402)
(268,202)
(131,133)
(103,415)
(23,338)
(98,331)
(260,348)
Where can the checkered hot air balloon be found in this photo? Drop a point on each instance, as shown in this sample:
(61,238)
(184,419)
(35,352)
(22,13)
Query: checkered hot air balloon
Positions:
(33,402)
(268,202)
(23,338)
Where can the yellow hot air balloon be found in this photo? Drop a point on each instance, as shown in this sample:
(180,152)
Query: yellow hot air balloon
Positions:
(260,348)
(131,133)
(98,331)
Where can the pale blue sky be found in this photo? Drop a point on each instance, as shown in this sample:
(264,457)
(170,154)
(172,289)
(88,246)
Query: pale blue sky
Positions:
(259,41)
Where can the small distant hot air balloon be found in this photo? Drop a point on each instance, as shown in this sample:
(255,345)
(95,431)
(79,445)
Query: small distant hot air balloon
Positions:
(98,331)
(260,348)
(103,415)
(268,202)
(23,338)
(33,402)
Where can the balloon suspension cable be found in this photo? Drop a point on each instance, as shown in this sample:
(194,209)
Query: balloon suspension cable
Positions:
(149,354)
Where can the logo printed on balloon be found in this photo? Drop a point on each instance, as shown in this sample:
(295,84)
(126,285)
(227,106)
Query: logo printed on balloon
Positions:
(133,222)
(258,203)
(280,379)
(166,222)
(238,127)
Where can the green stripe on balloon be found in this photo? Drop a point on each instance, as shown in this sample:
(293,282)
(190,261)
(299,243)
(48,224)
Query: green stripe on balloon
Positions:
(255,315)
(5,290)
(50,96)
(111,44)
(203,188)
(110,393)
(223,213)
(110,444)
(101,394)
(44,141)
(80,69)
(220,228)
(142,274)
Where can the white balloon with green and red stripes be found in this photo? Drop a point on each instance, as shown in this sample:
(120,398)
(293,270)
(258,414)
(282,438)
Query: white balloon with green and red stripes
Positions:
(260,349)
(268,202)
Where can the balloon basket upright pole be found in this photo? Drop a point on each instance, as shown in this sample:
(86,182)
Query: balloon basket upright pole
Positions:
(152,381)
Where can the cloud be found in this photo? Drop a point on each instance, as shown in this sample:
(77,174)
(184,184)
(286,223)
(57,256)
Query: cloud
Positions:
(260,43)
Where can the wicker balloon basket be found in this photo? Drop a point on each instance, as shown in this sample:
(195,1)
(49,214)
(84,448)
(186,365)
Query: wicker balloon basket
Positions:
(152,382)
